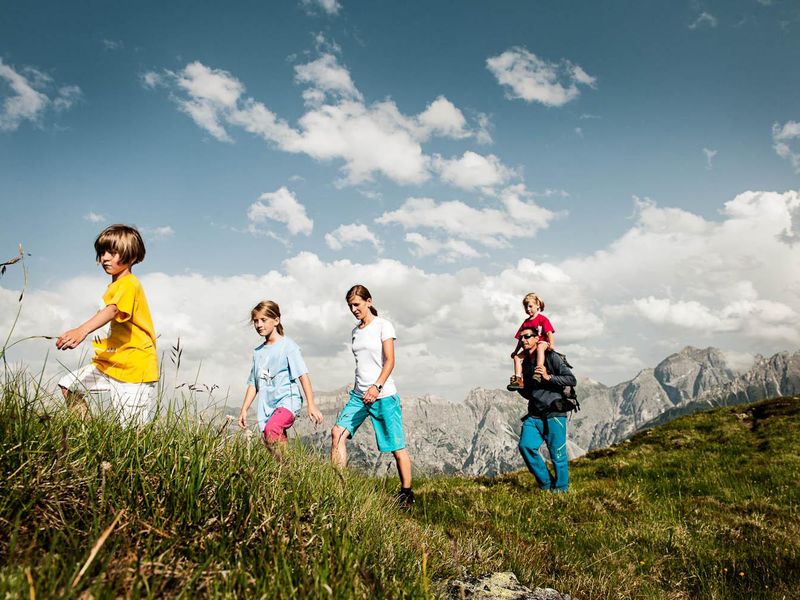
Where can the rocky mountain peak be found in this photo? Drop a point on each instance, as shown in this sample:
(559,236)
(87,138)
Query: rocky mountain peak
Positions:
(692,371)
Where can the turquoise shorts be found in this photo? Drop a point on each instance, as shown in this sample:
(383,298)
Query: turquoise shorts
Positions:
(386,416)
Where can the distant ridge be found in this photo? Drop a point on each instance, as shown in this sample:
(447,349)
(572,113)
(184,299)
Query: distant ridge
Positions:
(479,435)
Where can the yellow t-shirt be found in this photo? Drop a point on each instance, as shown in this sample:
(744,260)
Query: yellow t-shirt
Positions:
(129,352)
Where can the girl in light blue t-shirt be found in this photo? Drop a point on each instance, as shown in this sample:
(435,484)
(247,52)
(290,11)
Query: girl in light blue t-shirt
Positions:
(277,368)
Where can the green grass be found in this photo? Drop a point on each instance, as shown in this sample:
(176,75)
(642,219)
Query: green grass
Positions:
(704,507)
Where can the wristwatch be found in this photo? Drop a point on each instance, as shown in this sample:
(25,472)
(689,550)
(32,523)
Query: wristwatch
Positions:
(378,386)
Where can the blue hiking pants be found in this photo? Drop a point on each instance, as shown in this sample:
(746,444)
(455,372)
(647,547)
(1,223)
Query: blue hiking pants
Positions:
(553,432)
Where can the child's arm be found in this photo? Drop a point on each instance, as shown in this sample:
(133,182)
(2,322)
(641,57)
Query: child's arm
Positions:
(313,412)
(73,337)
(517,348)
(249,396)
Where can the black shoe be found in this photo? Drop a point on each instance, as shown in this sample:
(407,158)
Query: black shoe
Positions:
(405,497)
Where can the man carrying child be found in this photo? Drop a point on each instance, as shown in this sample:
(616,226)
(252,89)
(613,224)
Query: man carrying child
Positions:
(543,424)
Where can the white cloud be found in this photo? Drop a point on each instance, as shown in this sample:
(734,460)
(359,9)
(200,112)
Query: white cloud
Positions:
(326,76)
(281,206)
(781,136)
(94,217)
(150,80)
(352,235)
(112,44)
(441,117)
(674,278)
(483,134)
(492,227)
(331,7)
(448,251)
(705,18)
(533,79)
(337,126)
(473,171)
(28,99)
(158,233)
(710,154)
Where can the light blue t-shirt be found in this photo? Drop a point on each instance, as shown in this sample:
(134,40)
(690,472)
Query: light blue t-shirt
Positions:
(274,374)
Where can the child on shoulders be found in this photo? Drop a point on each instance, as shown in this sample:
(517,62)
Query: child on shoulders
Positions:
(544,329)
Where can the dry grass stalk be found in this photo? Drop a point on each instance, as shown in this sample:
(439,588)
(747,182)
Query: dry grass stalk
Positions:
(96,548)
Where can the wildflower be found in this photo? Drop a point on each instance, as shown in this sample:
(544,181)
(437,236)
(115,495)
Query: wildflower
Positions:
(741,573)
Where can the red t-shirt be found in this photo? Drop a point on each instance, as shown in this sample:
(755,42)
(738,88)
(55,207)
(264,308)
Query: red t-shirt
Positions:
(539,324)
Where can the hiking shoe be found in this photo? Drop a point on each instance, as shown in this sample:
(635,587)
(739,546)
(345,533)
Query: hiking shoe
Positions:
(515,384)
(405,496)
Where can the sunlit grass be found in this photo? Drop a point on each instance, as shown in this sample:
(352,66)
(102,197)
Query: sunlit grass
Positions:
(704,507)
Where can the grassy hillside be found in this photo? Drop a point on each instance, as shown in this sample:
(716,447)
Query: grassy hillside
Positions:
(706,506)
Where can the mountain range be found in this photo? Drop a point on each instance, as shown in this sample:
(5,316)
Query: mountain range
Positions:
(478,436)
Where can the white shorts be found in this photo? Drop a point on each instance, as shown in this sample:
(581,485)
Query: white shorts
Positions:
(131,402)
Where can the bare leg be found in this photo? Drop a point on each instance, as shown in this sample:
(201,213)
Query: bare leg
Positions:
(403,461)
(338,446)
(75,402)
(518,365)
(540,348)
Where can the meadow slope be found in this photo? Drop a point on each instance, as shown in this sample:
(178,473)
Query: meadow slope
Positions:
(705,506)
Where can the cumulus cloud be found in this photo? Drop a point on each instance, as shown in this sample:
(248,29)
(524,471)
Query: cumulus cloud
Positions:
(528,77)
(28,99)
(674,278)
(281,206)
(325,76)
(352,235)
(338,124)
(782,135)
(515,217)
(473,171)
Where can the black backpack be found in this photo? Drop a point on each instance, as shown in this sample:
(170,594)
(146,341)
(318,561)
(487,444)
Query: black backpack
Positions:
(568,401)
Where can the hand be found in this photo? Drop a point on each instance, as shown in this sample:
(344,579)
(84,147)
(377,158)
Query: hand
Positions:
(70,339)
(513,354)
(371,394)
(314,414)
(243,419)
(543,372)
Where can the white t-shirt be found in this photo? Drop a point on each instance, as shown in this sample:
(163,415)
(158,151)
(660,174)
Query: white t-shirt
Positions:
(368,352)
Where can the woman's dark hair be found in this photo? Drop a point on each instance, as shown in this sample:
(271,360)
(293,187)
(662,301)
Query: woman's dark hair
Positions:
(363,293)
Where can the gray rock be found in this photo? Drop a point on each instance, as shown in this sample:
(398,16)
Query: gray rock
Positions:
(496,586)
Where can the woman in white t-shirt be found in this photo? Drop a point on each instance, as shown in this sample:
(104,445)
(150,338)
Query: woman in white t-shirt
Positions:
(374,394)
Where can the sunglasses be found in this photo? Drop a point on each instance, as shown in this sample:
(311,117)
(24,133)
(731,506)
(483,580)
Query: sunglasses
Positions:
(527,336)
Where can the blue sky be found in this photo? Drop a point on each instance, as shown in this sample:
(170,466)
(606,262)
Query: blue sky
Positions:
(450,155)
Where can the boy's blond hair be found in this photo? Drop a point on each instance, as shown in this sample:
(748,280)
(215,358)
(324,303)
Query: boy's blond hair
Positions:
(123,240)
(533,299)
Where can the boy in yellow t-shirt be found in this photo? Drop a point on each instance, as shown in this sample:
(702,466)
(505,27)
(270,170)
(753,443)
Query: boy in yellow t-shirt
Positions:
(125,364)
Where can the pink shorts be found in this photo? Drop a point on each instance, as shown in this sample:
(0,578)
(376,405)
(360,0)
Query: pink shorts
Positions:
(278,423)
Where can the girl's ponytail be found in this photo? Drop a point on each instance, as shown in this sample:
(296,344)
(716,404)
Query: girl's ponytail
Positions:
(269,308)
(363,293)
